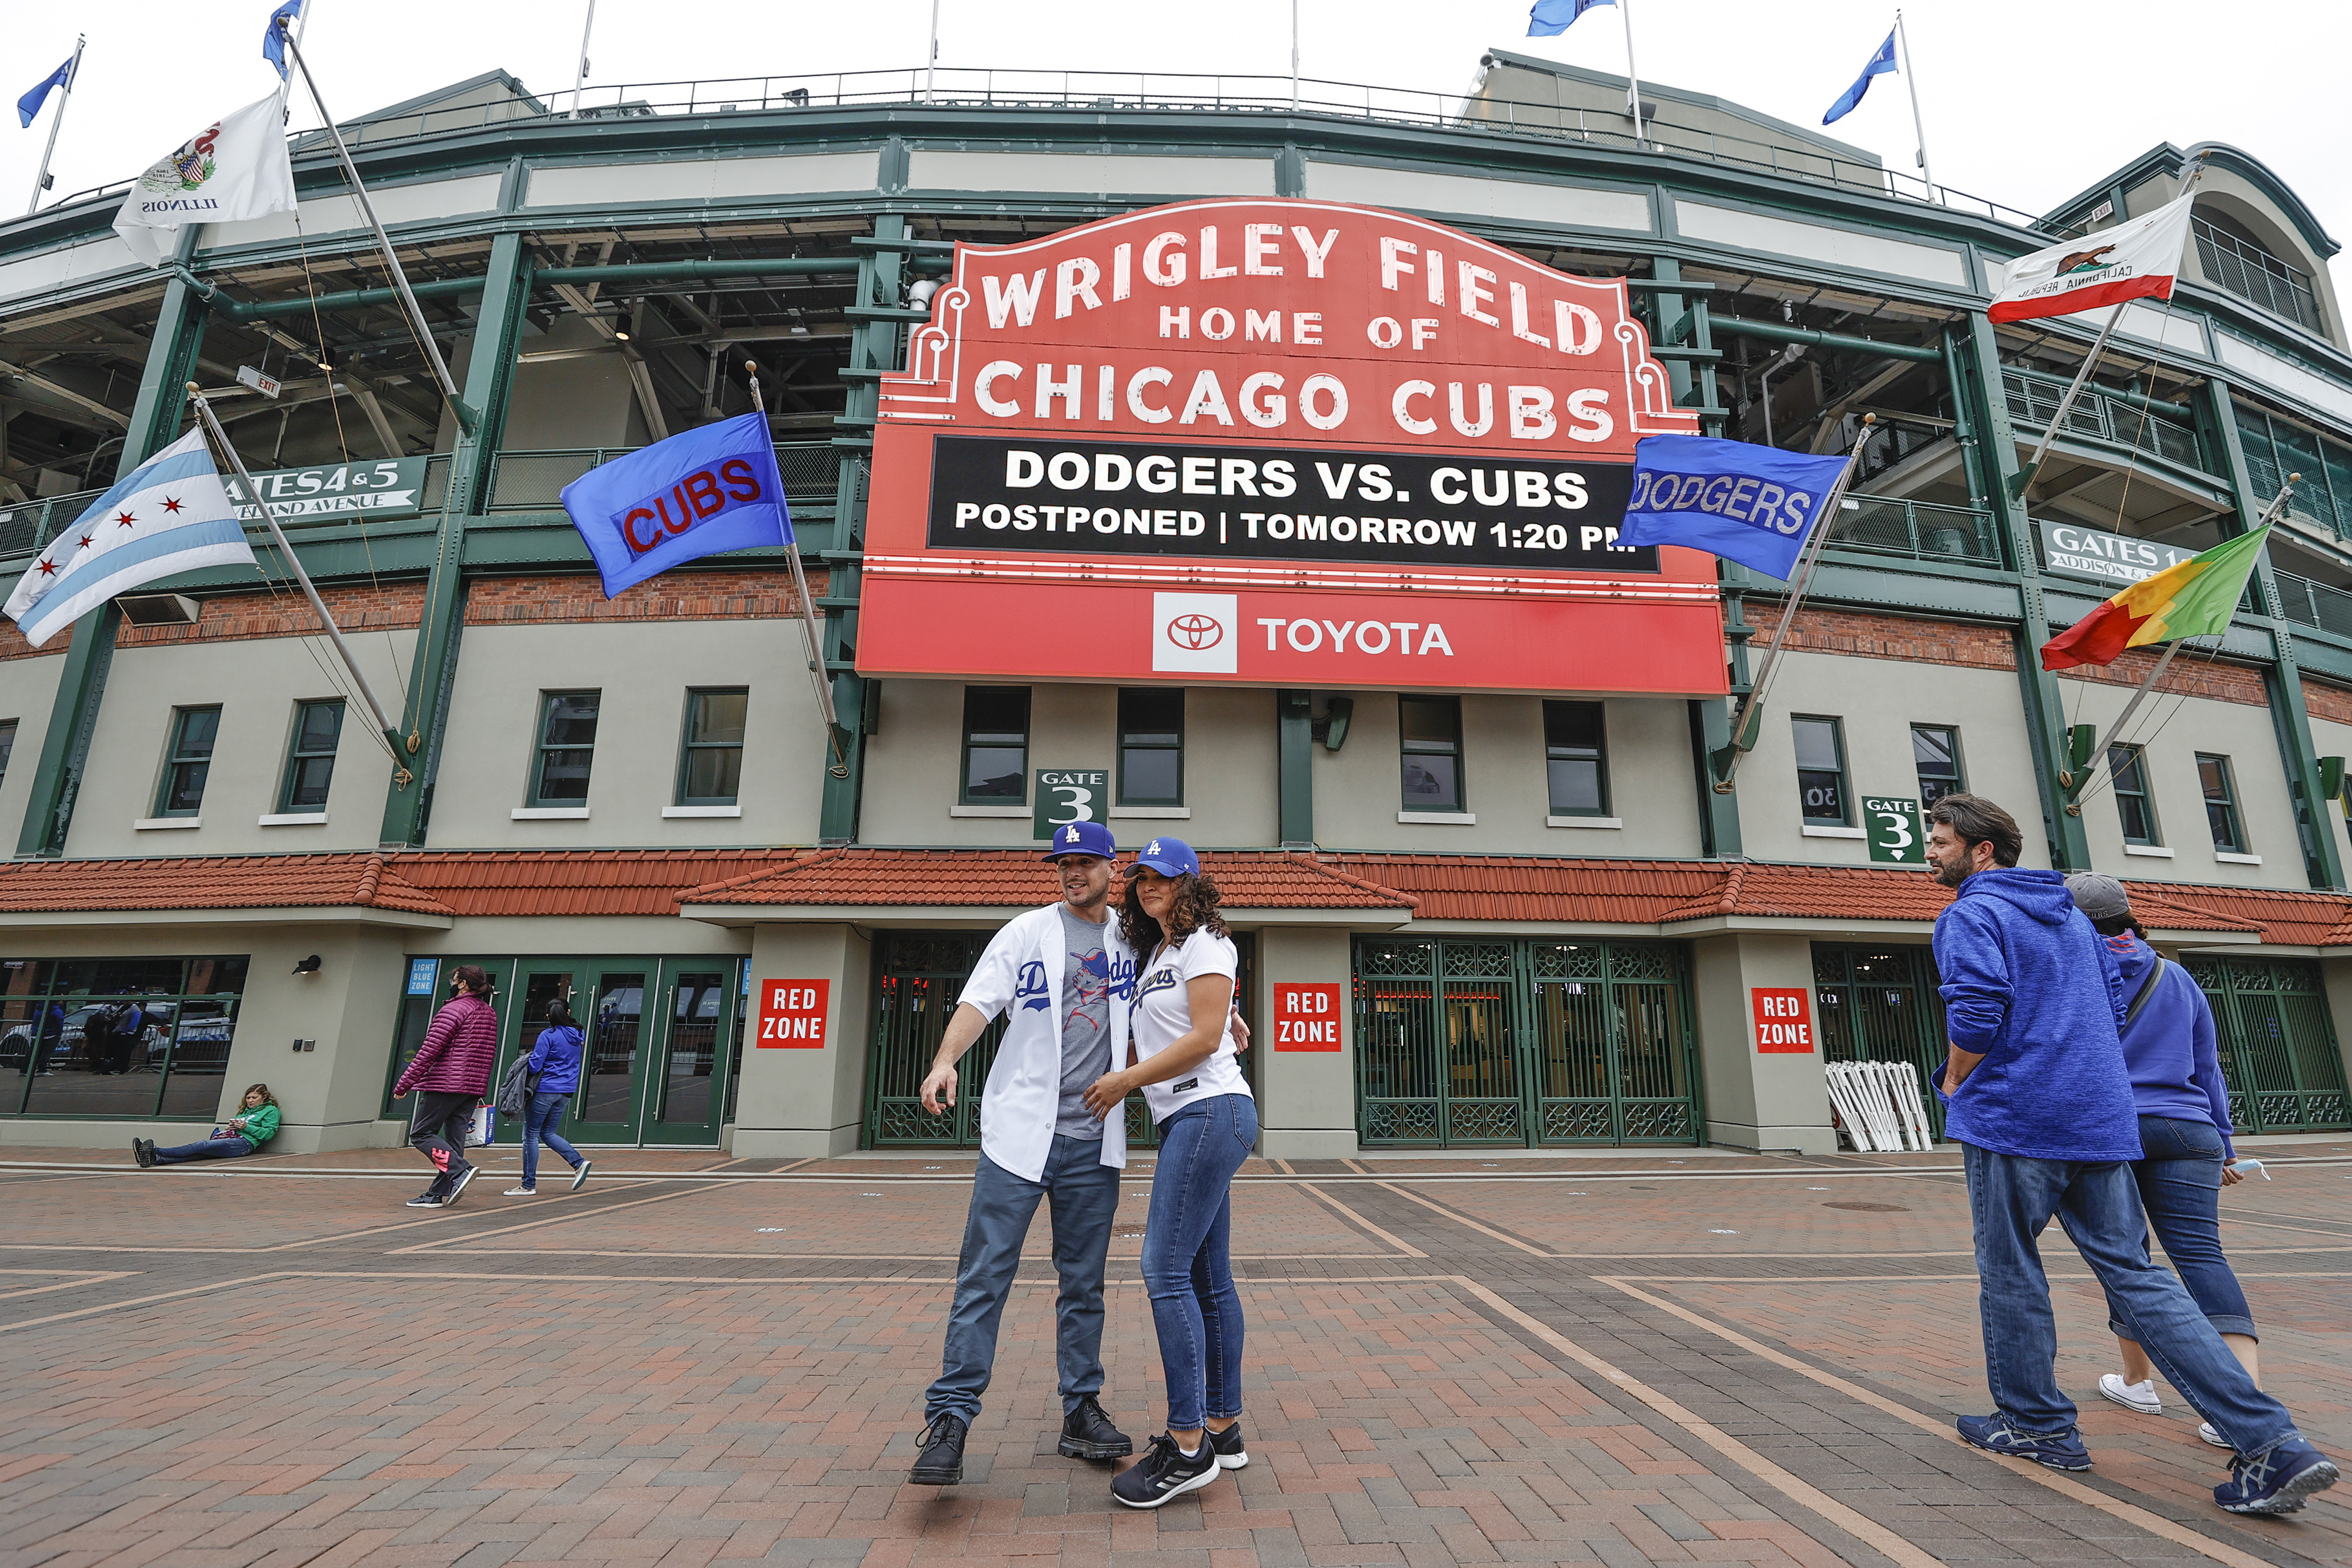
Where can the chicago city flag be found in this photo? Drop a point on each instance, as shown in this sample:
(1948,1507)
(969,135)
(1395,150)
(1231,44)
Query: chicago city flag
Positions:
(235,169)
(2133,260)
(2193,598)
(169,514)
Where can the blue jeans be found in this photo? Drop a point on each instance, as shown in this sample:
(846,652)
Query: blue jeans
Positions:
(541,1119)
(2180,1181)
(1186,1269)
(1084,1193)
(2010,1199)
(210,1149)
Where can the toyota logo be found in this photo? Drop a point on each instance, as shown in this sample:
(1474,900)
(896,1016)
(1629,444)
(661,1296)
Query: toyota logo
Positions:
(1195,632)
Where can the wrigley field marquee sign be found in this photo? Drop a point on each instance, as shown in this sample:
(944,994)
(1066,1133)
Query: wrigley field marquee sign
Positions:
(1277,443)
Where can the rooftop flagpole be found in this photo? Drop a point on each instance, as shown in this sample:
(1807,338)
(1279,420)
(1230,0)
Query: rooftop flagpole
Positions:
(1294,57)
(1633,75)
(41,180)
(931,61)
(1918,125)
(580,77)
(833,730)
(309,590)
(467,417)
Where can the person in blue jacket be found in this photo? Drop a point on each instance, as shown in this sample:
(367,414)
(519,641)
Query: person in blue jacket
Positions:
(556,1078)
(2039,1098)
(2170,1050)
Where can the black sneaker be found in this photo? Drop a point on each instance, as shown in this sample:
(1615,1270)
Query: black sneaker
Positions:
(464,1180)
(139,1153)
(1088,1434)
(1230,1454)
(1163,1472)
(426,1201)
(941,1464)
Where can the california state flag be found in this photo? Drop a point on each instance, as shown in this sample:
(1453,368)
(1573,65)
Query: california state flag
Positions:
(2133,260)
(235,169)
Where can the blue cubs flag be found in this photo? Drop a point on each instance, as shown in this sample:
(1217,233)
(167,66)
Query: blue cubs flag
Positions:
(1751,504)
(1881,64)
(708,490)
(30,104)
(273,42)
(1554,16)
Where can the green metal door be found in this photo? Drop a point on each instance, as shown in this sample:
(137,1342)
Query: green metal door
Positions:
(1880,1004)
(694,1052)
(1468,1043)
(2277,1043)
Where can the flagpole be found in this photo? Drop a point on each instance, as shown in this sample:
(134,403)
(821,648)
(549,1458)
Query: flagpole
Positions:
(580,77)
(931,61)
(808,618)
(1918,125)
(1751,707)
(1633,75)
(309,589)
(1294,57)
(41,180)
(458,405)
(2023,480)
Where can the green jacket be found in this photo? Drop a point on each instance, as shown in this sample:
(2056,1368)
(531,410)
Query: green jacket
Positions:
(261,1127)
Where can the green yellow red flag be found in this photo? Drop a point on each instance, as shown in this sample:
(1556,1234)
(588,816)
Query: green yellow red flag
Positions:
(2194,598)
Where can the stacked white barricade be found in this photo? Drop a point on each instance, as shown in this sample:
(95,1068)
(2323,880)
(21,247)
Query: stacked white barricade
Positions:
(1880,1104)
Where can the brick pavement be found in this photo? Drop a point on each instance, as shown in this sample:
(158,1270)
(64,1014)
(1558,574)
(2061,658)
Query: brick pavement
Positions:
(1641,1358)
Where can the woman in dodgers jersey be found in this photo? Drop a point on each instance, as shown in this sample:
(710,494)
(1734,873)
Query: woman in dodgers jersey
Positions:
(1181,1056)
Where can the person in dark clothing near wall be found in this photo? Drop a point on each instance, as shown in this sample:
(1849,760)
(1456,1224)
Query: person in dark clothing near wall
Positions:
(2038,1097)
(450,1073)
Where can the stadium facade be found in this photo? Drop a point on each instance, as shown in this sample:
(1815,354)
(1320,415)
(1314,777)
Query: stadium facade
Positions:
(1488,900)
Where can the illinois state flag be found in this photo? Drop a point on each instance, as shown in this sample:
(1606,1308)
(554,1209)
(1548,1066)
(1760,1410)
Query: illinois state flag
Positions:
(701,492)
(237,168)
(2133,260)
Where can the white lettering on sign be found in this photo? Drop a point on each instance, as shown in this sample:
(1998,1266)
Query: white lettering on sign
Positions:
(1372,636)
(791,1014)
(1307,1017)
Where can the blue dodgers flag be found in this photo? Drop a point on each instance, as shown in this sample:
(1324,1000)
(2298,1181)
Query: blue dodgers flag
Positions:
(1754,505)
(1554,16)
(708,490)
(1881,64)
(30,104)
(273,42)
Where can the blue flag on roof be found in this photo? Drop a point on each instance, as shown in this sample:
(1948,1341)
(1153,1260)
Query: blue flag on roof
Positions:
(1754,505)
(1554,16)
(273,42)
(1881,64)
(696,494)
(30,104)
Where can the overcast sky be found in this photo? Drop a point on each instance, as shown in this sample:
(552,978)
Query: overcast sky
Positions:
(2026,101)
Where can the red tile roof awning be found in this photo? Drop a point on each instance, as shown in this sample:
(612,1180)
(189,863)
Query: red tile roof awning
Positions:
(172,885)
(579,881)
(1016,879)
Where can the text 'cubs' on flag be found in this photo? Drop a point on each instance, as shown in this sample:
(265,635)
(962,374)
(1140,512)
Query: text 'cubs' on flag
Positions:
(2134,260)
(168,516)
(1751,504)
(233,170)
(2194,598)
(696,494)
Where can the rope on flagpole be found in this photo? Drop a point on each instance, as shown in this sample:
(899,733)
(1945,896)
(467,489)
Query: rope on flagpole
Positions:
(839,767)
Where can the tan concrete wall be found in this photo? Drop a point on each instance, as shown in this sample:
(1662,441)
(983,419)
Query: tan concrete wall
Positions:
(793,1103)
(1306,1099)
(2241,733)
(28,689)
(1757,1100)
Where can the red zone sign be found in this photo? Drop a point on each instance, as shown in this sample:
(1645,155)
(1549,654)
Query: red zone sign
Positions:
(1277,443)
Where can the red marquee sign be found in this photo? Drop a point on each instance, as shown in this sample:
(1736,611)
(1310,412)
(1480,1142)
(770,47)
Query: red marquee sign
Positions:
(1277,443)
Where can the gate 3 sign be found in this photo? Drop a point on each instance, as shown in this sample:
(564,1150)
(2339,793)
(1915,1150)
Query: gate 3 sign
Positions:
(1896,833)
(1277,443)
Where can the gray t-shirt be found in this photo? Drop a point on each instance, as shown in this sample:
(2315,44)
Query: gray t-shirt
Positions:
(1085,1022)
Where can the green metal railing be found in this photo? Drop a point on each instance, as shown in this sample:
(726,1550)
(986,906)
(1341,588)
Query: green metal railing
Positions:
(534,481)
(2033,400)
(2315,604)
(1923,530)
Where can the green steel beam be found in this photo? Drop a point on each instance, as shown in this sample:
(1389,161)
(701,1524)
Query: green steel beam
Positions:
(341,299)
(81,685)
(1774,332)
(2282,681)
(490,379)
(1295,726)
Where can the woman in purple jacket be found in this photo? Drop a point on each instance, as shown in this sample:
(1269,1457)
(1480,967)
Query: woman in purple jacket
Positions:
(450,1073)
(555,1070)
(2169,1047)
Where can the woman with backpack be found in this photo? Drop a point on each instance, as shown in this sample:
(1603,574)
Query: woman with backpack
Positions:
(2171,1051)
(554,1077)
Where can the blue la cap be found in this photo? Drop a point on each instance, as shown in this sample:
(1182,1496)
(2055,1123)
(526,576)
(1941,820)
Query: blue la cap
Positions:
(1169,857)
(1083,838)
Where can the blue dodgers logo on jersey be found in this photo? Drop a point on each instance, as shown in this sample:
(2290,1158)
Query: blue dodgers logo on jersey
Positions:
(1031,990)
(1158,980)
(1122,976)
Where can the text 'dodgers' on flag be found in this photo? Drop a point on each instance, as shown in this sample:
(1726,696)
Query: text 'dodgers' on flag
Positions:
(2134,260)
(696,494)
(168,516)
(1754,505)
(233,170)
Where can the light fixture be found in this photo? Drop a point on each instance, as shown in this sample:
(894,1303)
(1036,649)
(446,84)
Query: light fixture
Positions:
(800,326)
(309,965)
(621,329)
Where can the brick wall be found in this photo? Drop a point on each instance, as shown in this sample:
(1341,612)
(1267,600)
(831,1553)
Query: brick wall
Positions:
(14,646)
(235,617)
(2192,675)
(1865,635)
(761,594)
(2332,704)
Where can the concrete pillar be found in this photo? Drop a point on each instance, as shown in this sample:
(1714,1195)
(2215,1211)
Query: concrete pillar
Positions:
(796,1100)
(1306,1099)
(1758,1099)
(331,1098)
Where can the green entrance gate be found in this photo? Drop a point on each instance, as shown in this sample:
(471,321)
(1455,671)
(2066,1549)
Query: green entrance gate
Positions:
(2277,1043)
(1880,1004)
(1468,1043)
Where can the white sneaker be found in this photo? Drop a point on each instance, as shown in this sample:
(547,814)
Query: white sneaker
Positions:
(2139,1396)
(2205,1430)
(522,1192)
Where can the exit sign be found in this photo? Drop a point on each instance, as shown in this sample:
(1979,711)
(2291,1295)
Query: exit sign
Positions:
(1306,1018)
(1784,1019)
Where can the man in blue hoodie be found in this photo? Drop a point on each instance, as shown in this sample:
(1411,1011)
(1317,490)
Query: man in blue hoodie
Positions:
(2038,1097)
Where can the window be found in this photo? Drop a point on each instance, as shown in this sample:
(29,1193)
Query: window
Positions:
(1151,746)
(171,1062)
(1820,771)
(995,745)
(194,730)
(567,745)
(310,761)
(7,745)
(1431,733)
(2220,804)
(1576,757)
(1937,751)
(2133,803)
(710,769)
